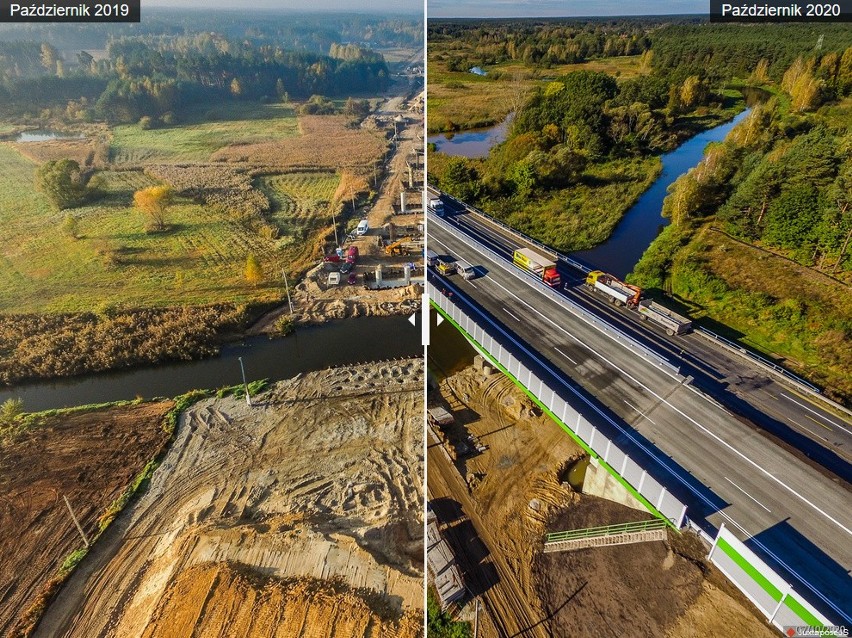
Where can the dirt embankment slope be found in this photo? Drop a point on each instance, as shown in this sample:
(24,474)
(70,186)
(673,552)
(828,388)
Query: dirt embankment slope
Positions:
(87,457)
(514,493)
(319,482)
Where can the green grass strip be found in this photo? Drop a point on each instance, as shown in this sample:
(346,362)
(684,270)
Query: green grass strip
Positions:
(749,569)
(557,420)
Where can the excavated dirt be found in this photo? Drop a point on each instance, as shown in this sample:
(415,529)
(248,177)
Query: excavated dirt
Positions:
(317,303)
(513,493)
(219,600)
(88,457)
(318,483)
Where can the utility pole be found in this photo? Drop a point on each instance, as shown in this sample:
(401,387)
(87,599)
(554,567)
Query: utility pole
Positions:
(334,223)
(476,620)
(245,385)
(76,522)
(287,286)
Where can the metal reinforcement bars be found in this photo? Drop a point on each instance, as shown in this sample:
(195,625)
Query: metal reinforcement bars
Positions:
(607,530)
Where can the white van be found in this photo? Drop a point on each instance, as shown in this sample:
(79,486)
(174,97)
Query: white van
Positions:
(363,227)
(431,257)
(333,278)
(465,269)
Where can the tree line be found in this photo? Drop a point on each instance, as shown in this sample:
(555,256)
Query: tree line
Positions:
(157,76)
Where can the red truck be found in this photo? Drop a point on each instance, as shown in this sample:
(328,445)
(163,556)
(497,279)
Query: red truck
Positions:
(539,265)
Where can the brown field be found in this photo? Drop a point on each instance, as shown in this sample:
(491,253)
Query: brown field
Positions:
(84,151)
(61,345)
(90,458)
(325,142)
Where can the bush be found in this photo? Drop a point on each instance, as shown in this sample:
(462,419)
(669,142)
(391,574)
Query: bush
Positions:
(10,412)
(284,325)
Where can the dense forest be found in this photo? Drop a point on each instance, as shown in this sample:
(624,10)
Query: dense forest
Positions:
(126,72)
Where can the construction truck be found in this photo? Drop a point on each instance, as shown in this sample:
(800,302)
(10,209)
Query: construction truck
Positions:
(539,265)
(619,293)
(436,206)
(445,267)
(397,248)
(673,323)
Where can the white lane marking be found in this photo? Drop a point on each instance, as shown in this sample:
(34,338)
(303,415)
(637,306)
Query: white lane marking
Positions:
(565,355)
(663,463)
(804,427)
(642,414)
(704,429)
(747,494)
(472,285)
(819,414)
(511,315)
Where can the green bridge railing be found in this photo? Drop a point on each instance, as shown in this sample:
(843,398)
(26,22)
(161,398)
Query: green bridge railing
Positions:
(607,530)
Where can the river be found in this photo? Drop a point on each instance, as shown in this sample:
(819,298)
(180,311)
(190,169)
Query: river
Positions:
(643,222)
(345,342)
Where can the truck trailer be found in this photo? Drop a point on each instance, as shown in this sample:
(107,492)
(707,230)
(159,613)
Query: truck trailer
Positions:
(673,323)
(619,293)
(539,265)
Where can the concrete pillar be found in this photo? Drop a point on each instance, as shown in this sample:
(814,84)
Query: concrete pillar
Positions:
(402,202)
(407,274)
(379,275)
(410,177)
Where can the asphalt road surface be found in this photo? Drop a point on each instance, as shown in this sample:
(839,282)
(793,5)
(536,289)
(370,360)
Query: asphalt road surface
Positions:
(795,516)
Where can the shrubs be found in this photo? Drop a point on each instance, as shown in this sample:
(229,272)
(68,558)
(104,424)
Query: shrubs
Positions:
(45,346)
(284,325)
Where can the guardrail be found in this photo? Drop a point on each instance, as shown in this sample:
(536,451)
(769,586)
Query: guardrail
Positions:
(606,530)
(709,334)
(600,324)
(772,595)
(704,332)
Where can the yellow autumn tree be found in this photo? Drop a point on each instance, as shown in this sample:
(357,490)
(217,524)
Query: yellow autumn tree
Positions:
(254,271)
(154,201)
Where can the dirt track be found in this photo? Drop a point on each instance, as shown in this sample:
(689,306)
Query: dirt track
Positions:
(89,457)
(320,480)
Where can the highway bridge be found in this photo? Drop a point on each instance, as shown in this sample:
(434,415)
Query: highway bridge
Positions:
(741,461)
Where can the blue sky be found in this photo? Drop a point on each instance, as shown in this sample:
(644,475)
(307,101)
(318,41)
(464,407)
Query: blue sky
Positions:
(560,8)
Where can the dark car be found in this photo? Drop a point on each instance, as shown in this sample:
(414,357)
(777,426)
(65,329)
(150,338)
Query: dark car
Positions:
(353,278)
(346,267)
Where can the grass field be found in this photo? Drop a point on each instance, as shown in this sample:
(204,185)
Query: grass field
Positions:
(203,134)
(782,308)
(200,259)
(462,100)
(299,200)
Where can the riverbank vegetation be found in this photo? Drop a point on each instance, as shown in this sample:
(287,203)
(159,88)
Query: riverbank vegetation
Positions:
(761,237)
